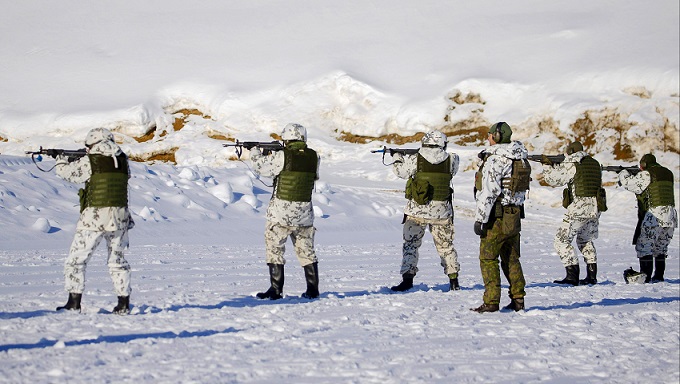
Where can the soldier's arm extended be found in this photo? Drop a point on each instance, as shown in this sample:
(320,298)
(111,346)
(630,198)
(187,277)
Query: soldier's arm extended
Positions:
(560,174)
(634,183)
(404,166)
(266,165)
(78,171)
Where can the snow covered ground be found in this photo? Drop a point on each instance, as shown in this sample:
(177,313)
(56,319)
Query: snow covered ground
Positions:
(362,68)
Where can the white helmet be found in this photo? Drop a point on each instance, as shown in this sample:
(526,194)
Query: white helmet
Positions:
(97,135)
(293,131)
(435,139)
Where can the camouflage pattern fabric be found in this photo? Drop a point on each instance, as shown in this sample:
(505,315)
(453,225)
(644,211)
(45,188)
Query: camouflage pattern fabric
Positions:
(95,224)
(581,221)
(581,208)
(584,231)
(84,244)
(502,237)
(498,165)
(405,167)
(442,234)
(504,244)
(659,222)
(276,235)
(95,218)
(286,213)
(437,215)
(285,218)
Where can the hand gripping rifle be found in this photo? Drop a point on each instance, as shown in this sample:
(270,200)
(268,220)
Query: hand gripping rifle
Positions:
(392,151)
(633,170)
(547,159)
(71,155)
(266,147)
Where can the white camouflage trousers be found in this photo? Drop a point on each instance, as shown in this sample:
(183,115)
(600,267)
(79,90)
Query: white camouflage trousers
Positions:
(276,235)
(84,244)
(653,241)
(584,231)
(442,234)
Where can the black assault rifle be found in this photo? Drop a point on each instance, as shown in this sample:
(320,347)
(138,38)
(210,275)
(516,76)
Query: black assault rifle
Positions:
(266,147)
(70,154)
(392,151)
(633,170)
(547,159)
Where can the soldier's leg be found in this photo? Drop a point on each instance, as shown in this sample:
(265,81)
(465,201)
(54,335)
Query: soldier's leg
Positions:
(489,250)
(562,242)
(119,269)
(82,248)
(275,236)
(414,230)
(587,232)
(303,242)
(665,235)
(443,234)
(563,238)
(512,268)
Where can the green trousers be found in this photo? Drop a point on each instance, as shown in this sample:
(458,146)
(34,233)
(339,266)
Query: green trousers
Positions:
(502,239)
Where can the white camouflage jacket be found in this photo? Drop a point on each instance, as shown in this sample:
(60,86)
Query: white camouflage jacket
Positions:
(498,166)
(95,218)
(581,208)
(665,216)
(289,213)
(405,167)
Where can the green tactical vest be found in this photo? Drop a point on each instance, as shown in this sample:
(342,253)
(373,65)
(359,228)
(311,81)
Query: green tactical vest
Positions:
(108,185)
(437,178)
(296,180)
(520,178)
(660,191)
(588,178)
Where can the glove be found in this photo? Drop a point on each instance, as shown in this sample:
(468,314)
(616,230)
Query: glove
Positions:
(479,228)
(546,160)
(481,155)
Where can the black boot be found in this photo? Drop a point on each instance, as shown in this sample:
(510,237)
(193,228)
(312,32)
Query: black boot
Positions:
(660,268)
(453,282)
(572,275)
(647,266)
(123,307)
(73,302)
(515,305)
(406,283)
(486,308)
(312,277)
(276,277)
(591,275)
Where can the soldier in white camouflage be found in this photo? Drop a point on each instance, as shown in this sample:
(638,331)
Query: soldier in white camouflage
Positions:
(104,215)
(654,188)
(290,213)
(582,175)
(501,184)
(429,191)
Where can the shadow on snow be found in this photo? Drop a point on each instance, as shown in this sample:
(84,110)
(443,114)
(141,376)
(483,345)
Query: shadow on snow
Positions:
(44,343)
(607,303)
